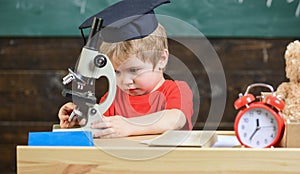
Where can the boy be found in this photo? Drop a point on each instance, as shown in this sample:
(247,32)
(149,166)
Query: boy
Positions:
(145,102)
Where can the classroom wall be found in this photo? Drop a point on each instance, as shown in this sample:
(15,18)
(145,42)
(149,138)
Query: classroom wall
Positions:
(32,69)
(39,40)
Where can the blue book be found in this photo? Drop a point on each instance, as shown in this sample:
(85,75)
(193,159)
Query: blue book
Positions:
(69,138)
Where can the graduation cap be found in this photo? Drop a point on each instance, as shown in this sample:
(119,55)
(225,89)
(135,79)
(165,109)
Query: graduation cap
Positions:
(126,20)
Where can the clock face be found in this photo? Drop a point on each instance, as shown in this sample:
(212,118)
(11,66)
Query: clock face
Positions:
(257,127)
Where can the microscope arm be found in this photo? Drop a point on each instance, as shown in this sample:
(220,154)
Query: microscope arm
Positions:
(90,66)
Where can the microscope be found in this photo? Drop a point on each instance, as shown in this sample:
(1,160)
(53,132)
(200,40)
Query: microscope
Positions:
(91,65)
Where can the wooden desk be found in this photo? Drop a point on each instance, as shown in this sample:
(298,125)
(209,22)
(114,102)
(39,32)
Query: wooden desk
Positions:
(177,160)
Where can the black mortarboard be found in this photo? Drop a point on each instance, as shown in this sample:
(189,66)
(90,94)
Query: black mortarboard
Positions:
(127,20)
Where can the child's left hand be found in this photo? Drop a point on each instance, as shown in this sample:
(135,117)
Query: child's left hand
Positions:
(112,127)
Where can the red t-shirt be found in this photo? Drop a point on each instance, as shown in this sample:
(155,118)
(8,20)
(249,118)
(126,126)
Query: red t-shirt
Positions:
(171,95)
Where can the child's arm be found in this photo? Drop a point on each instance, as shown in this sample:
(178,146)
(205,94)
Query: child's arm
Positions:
(158,122)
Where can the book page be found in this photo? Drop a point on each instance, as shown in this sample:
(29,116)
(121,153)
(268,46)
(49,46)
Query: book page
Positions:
(184,138)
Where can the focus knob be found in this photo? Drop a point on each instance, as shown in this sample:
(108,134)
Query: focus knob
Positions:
(100,61)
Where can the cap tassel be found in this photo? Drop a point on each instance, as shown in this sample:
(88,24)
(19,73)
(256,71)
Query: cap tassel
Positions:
(82,34)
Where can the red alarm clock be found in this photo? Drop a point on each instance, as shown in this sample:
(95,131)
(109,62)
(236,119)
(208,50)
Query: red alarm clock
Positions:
(259,123)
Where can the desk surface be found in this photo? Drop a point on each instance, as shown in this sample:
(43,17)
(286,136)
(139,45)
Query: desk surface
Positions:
(112,156)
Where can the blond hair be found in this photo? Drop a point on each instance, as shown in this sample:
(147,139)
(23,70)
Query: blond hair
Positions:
(147,49)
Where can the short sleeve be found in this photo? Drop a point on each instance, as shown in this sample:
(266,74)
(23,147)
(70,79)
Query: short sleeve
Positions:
(181,97)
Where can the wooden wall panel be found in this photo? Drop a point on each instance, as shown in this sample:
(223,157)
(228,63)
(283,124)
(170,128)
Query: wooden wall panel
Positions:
(31,72)
(13,134)
(245,61)
(30,95)
(8,158)
(39,53)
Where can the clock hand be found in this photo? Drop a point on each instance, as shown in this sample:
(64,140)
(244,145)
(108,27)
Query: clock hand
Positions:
(266,126)
(257,128)
(254,133)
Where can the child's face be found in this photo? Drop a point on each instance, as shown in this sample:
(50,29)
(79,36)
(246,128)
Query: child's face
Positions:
(136,77)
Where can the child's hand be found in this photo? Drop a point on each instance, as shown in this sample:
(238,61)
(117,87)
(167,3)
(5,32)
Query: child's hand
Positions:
(64,114)
(112,127)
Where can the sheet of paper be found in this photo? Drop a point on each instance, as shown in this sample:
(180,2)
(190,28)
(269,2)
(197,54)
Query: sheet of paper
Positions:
(174,138)
(227,141)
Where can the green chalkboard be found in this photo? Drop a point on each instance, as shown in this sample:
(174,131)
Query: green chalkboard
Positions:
(214,18)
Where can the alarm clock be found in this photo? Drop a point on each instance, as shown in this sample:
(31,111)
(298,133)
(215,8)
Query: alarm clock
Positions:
(259,123)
